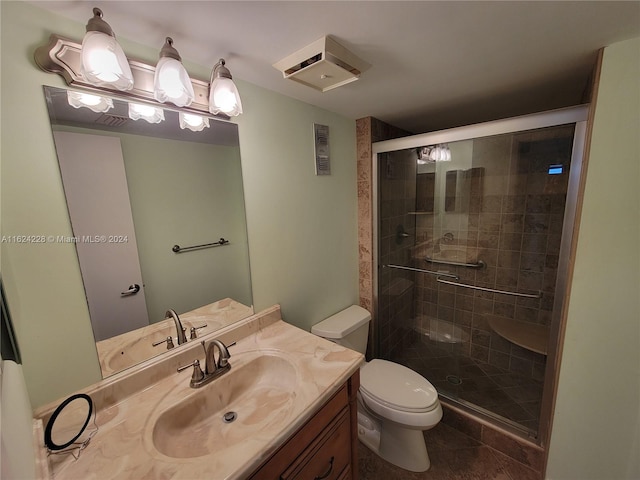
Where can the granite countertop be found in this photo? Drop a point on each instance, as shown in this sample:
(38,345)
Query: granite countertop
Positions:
(124,446)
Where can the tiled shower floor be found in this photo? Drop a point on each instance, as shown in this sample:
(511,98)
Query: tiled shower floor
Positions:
(509,395)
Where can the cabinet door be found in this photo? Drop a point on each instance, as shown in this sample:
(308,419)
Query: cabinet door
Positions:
(328,456)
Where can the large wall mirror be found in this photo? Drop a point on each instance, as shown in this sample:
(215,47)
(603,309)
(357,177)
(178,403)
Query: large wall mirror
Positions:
(158,220)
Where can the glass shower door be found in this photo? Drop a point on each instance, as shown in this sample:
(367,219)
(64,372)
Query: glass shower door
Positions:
(468,259)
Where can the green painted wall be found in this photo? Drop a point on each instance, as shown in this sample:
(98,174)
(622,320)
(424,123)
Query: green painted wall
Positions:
(302,228)
(596,424)
(303,246)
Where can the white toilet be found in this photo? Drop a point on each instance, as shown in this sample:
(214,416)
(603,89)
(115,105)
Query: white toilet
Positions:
(395,404)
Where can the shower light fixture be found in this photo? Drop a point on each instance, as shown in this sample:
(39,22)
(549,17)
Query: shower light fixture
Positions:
(223,93)
(434,153)
(171,82)
(103,63)
(95,103)
(195,123)
(151,114)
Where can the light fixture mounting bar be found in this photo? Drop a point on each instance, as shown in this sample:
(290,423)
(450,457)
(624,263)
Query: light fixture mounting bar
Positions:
(62,56)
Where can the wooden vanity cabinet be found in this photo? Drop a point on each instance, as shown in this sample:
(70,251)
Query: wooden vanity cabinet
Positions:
(325,448)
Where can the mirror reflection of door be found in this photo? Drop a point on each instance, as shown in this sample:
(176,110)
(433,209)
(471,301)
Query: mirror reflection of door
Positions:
(95,184)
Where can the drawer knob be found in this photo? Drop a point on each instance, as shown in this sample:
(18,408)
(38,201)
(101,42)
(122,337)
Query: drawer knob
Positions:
(328,472)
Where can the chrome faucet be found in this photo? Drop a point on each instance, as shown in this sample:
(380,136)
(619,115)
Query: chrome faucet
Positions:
(182,338)
(212,369)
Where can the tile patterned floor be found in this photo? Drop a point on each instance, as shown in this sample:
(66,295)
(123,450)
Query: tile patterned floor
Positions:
(510,395)
(454,456)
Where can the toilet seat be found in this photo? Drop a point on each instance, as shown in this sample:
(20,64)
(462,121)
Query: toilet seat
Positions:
(397,387)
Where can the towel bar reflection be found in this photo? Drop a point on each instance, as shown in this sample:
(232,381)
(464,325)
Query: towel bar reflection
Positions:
(179,249)
(419,270)
(492,290)
(478,264)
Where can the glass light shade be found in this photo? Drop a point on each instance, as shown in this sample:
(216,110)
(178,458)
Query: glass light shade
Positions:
(445,153)
(171,83)
(224,97)
(436,153)
(151,114)
(195,123)
(103,63)
(95,103)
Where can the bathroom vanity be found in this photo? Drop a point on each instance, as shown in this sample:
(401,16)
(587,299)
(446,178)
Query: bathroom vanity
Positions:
(292,396)
(325,447)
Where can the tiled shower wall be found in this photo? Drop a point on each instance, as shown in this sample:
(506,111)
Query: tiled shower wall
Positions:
(396,291)
(514,225)
(368,131)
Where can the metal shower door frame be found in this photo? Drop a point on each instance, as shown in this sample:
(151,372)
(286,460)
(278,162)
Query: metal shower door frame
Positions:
(572,115)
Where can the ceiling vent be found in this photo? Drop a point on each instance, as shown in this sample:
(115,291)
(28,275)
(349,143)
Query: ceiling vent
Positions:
(323,65)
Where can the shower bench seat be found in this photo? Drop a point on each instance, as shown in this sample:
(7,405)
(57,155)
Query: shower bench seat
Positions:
(524,334)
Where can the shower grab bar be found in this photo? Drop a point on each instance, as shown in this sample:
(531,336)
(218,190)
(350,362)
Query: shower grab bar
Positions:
(179,249)
(430,272)
(478,264)
(492,290)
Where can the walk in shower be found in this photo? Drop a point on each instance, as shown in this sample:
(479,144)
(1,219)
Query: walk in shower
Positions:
(473,234)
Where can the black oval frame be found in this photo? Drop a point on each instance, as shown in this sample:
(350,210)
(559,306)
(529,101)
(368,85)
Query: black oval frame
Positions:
(47,432)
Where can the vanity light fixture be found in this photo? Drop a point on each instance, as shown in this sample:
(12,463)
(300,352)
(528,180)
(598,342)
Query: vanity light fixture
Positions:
(151,114)
(223,93)
(171,82)
(195,123)
(103,62)
(95,103)
(80,67)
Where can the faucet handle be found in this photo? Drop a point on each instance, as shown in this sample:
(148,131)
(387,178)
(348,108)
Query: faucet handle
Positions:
(197,374)
(193,334)
(168,340)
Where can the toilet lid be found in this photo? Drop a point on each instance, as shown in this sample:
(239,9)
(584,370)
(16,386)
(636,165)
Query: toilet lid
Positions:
(397,386)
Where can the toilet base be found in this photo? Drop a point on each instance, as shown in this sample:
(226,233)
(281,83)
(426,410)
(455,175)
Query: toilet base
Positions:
(403,447)
(369,432)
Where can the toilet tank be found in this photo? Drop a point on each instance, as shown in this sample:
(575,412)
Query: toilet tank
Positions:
(349,328)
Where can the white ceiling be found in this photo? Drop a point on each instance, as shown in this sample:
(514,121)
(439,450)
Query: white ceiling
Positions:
(434,64)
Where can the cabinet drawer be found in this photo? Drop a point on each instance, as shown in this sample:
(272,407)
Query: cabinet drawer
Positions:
(328,456)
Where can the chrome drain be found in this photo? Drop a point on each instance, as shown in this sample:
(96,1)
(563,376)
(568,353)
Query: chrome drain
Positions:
(454,379)
(229,417)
